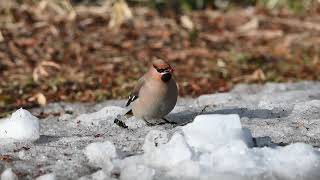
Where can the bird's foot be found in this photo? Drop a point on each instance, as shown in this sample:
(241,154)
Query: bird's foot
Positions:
(167,121)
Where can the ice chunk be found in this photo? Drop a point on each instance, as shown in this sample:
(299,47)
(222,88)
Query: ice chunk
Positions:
(22,125)
(185,170)
(209,131)
(99,175)
(217,147)
(170,154)
(50,176)
(230,158)
(105,114)
(101,154)
(295,161)
(137,172)
(8,175)
(154,139)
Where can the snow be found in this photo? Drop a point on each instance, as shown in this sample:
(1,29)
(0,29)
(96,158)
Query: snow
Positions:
(211,147)
(140,172)
(105,114)
(95,151)
(22,125)
(8,175)
(50,176)
(170,154)
(207,132)
(99,175)
(154,138)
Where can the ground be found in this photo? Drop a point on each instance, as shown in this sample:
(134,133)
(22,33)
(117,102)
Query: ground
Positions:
(276,114)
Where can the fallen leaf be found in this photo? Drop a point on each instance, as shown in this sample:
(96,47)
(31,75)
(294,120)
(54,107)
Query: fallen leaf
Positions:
(186,22)
(1,37)
(119,14)
(40,98)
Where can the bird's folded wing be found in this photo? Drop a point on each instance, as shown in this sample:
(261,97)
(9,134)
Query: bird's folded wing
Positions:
(135,93)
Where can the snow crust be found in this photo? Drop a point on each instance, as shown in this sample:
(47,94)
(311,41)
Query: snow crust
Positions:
(22,125)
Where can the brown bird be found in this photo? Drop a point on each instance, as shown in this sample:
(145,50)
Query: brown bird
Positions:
(155,94)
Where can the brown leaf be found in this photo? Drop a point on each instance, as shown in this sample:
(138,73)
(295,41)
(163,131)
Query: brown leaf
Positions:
(39,98)
(1,37)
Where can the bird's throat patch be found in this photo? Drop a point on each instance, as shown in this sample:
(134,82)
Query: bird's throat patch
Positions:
(166,77)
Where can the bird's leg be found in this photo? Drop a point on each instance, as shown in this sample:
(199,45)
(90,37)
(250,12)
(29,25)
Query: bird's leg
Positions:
(148,123)
(203,109)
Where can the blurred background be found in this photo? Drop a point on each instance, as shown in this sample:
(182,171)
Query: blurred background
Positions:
(94,50)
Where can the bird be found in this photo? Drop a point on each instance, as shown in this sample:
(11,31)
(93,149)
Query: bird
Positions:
(155,94)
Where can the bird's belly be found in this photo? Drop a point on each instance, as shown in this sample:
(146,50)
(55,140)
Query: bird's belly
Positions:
(158,109)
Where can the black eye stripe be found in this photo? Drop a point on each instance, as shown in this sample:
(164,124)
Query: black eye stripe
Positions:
(161,70)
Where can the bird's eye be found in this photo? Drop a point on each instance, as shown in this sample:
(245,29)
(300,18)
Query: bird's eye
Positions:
(160,70)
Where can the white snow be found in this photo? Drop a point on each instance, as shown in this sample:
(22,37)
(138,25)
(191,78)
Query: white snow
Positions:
(153,139)
(22,125)
(215,99)
(49,176)
(211,147)
(8,175)
(140,172)
(170,154)
(101,154)
(207,132)
(105,114)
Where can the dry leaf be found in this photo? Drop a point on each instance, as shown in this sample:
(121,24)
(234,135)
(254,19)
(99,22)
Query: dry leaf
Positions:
(253,24)
(221,63)
(40,98)
(40,70)
(119,14)
(62,8)
(1,37)
(186,22)
(257,75)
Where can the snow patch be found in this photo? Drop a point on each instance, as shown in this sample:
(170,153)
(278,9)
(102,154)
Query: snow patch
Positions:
(105,114)
(50,176)
(22,125)
(140,172)
(101,154)
(8,175)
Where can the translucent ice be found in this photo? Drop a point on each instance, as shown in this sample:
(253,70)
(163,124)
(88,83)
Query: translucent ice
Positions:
(207,132)
(22,125)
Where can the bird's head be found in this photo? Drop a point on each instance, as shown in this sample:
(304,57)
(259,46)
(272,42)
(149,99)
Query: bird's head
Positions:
(161,70)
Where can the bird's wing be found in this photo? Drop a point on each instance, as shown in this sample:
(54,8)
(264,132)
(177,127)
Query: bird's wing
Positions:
(135,93)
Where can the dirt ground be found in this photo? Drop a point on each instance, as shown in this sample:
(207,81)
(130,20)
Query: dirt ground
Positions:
(48,56)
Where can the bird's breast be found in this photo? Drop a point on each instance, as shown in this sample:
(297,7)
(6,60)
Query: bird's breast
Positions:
(156,100)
